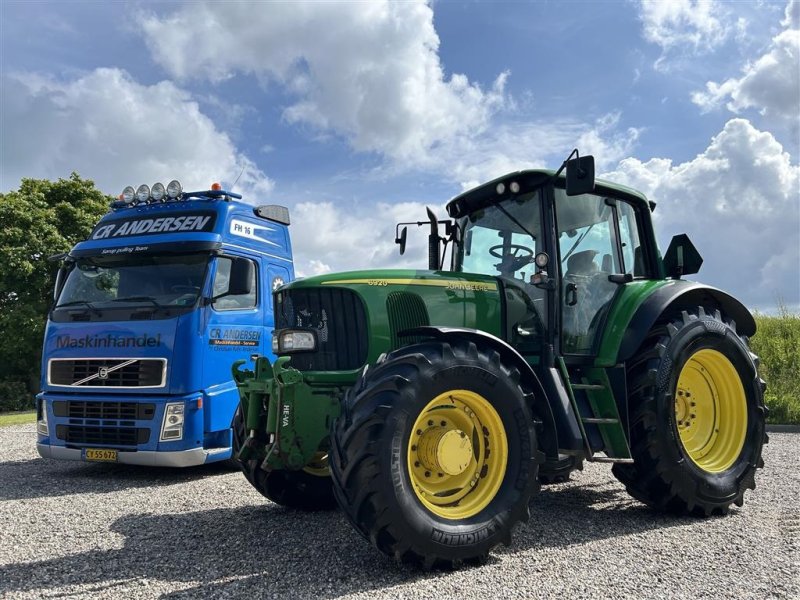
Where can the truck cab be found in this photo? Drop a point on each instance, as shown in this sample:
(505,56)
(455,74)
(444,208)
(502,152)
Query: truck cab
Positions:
(149,312)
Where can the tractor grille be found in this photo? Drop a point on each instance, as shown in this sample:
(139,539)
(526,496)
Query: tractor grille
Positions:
(108,372)
(106,436)
(339,319)
(117,411)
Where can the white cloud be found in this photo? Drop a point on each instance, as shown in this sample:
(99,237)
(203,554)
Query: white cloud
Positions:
(770,84)
(369,71)
(685,27)
(740,203)
(111,129)
(327,237)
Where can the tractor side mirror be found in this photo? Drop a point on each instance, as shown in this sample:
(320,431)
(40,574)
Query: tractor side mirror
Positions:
(580,175)
(681,258)
(242,276)
(401,240)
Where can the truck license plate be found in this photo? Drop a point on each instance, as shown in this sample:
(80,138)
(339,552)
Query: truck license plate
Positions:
(100,454)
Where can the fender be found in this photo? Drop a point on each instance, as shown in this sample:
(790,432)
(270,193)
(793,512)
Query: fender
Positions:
(548,441)
(682,295)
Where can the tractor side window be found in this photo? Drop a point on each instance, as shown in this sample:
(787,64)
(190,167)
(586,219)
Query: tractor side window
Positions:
(224,299)
(632,258)
(587,248)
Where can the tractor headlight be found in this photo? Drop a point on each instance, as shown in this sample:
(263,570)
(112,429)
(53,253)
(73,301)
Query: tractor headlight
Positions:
(172,426)
(289,341)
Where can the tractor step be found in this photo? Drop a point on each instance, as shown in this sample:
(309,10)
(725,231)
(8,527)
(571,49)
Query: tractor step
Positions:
(599,421)
(608,459)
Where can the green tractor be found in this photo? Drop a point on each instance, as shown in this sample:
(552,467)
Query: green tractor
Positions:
(430,405)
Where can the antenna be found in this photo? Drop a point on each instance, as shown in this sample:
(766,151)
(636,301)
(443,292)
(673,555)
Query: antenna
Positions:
(237,180)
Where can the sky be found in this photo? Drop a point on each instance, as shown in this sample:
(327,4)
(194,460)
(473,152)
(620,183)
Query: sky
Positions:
(357,115)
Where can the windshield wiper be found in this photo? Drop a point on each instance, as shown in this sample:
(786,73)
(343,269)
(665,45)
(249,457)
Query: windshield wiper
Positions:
(77,302)
(140,299)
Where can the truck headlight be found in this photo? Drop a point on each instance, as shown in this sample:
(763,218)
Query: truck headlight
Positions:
(289,341)
(172,427)
(41,424)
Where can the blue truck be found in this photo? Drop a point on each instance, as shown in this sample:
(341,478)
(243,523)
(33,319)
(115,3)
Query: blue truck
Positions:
(149,312)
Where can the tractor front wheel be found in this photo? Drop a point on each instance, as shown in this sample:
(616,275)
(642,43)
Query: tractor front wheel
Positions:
(308,489)
(434,457)
(697,416)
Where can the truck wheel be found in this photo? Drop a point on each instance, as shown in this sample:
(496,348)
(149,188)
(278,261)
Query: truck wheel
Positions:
(309,489)
(697,417)
(434,457)
(558,471)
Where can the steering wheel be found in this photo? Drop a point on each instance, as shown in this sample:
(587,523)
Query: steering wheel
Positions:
(517,256)
(517,251)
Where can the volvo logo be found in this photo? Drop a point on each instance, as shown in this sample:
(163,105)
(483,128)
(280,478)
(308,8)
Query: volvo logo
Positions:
(102,373)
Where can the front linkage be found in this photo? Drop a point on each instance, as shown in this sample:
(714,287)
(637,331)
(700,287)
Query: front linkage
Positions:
(276,401)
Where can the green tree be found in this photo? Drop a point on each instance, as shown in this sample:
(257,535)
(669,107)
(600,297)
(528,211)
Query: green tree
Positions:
(39,220)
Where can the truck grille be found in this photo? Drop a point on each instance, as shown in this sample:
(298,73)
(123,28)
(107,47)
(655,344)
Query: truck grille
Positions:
(339,319)
(106,436)
(108,372)
(117,411)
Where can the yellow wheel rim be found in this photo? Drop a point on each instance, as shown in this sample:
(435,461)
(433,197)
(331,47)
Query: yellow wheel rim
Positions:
(318,465)
(711,411)
(457,454)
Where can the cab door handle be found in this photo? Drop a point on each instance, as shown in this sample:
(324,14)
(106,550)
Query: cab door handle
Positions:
(571,294)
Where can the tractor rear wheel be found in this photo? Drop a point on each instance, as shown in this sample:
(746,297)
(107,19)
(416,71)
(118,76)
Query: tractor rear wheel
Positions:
(434,457)
(697,416)
(308,489)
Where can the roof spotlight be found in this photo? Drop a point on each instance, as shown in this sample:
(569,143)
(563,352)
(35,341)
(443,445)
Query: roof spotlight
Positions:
(143,193)
(514,187)
(174,189)
(157,192)
(501,188)
(128,194)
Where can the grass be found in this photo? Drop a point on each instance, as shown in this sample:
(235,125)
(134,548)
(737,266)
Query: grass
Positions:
(17,418)
(777,343)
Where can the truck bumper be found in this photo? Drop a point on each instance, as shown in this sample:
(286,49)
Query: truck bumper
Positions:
(180,458)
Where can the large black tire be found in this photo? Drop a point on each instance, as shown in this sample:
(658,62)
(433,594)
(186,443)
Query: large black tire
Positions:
(371,465)
(301,490)
(664,474)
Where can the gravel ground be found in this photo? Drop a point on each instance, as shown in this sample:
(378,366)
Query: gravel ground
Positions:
(78,530)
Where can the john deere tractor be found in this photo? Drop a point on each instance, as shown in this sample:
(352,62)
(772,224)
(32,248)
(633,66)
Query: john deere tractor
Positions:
(430,404)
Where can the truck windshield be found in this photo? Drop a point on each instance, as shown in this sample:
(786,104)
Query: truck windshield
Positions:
(502,239)
(118,281)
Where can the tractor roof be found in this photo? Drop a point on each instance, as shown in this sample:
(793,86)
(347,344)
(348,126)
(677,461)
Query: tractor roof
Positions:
(487,193)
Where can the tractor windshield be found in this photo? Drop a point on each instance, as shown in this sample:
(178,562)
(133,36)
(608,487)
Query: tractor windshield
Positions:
(502,239)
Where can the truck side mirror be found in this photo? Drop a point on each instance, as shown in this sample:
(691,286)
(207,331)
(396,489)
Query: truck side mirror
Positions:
(241,278)
(580,175)
(681,258)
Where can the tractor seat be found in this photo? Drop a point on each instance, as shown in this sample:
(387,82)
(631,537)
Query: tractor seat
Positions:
(582,263)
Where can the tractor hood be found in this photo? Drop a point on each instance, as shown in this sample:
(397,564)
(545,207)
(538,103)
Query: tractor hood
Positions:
(358,315)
